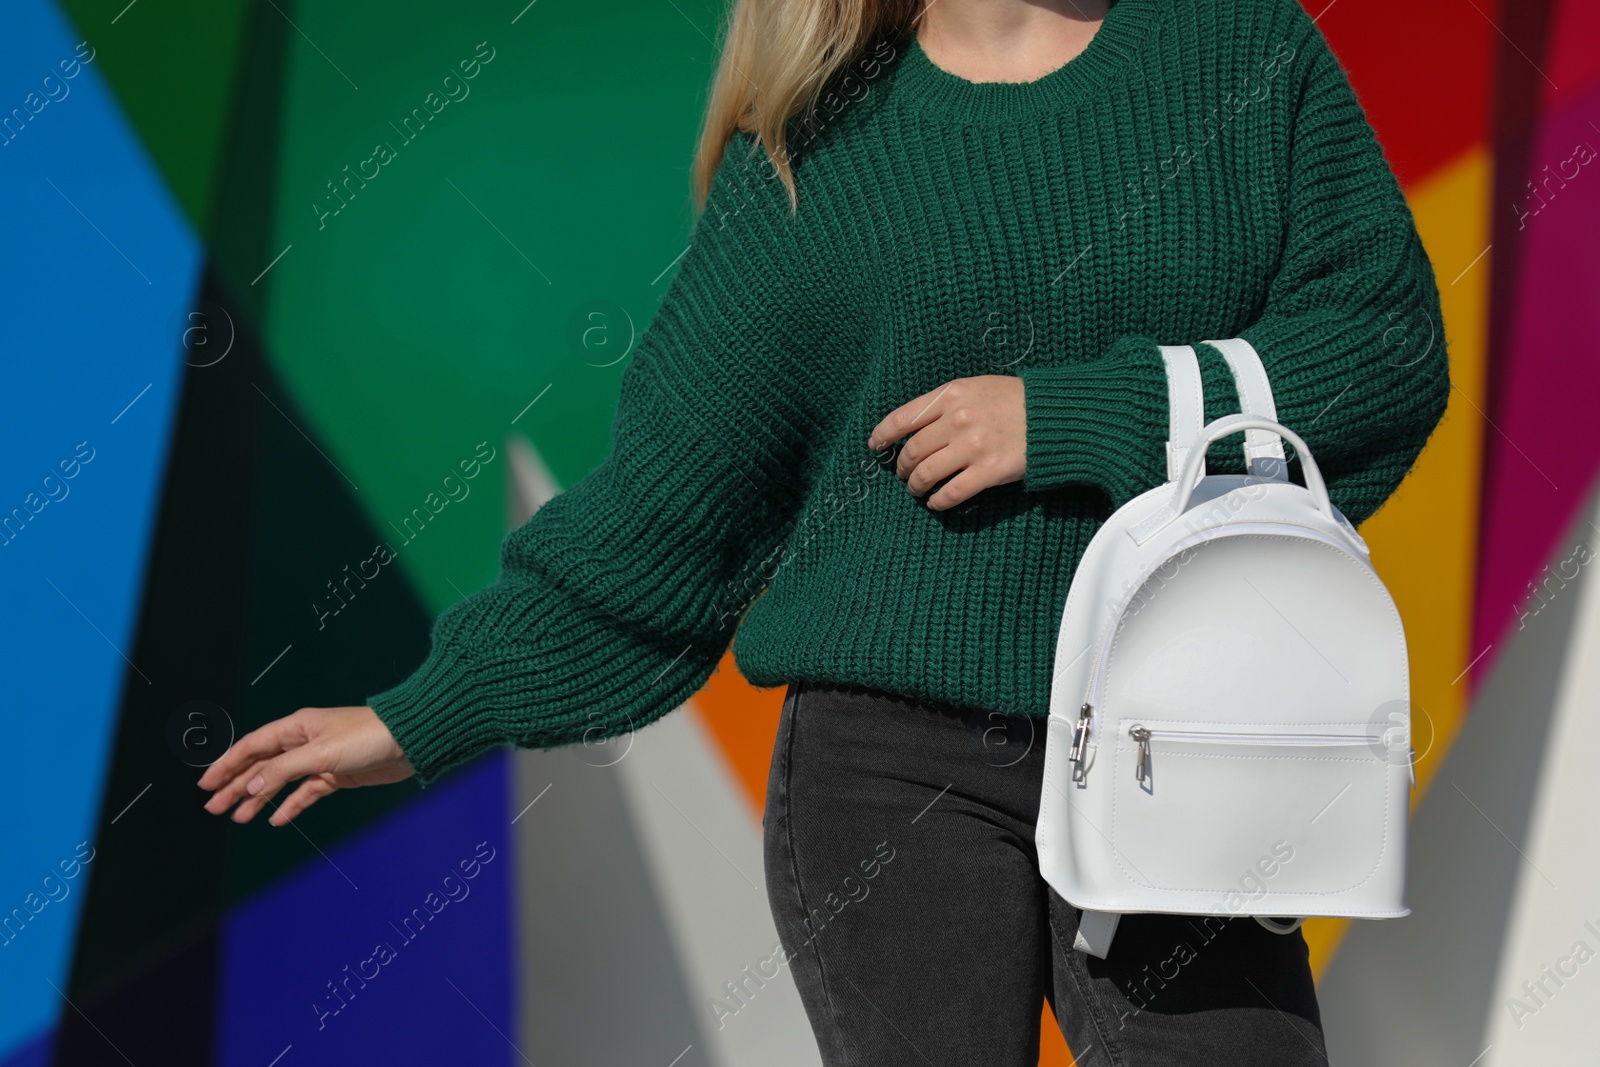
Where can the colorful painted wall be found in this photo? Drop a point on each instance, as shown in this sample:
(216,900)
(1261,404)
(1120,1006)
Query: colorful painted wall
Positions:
(230,372)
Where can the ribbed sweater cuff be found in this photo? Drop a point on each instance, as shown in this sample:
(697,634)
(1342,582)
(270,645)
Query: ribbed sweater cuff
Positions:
(432,713)
(477,687)
(1102,422)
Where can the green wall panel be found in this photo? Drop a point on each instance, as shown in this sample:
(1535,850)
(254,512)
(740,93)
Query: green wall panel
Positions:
(425,314)
(171,64)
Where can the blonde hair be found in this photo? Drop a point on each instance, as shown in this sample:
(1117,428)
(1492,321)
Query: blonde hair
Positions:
(778,58)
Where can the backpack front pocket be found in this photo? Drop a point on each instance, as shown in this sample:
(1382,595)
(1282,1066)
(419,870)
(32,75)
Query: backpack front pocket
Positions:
(1240,811)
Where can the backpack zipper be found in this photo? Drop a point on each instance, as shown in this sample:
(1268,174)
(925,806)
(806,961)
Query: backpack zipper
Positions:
(1143,735)
(1080,736)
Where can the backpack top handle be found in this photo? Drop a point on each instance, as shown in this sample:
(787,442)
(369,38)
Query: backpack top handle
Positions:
(1230,424)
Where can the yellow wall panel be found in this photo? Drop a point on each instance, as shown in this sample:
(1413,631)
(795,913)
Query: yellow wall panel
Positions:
(1425,539)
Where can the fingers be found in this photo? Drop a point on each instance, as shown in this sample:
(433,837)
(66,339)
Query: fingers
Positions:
(254,746)
(311,790)
(937,467)
(333,748)
(964,486)
(923,444)
(274,774)
(224,798)
(970,434)
(231,774)
(913,415)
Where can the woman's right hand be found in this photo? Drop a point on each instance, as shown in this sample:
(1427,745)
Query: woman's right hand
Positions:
(331,748)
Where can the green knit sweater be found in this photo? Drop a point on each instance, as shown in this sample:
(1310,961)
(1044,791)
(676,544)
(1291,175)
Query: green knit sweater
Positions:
(1202,170)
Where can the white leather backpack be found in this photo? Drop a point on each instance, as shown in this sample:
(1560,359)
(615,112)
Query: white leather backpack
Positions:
(1229,728)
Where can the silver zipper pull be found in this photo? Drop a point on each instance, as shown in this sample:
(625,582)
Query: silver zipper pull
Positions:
(1080,734)
(1141,735)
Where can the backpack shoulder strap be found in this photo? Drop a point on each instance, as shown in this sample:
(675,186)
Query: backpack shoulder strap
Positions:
(1263,451)
(1186,409)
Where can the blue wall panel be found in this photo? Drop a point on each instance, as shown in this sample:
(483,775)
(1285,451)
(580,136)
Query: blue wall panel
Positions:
(99,268)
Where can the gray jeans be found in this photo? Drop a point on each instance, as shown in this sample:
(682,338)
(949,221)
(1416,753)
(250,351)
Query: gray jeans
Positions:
(903,878)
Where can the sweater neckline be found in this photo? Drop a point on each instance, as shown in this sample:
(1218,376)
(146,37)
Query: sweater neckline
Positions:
(930,89)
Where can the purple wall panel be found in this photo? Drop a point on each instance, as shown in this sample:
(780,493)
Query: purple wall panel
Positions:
(1539,462)
(386,951)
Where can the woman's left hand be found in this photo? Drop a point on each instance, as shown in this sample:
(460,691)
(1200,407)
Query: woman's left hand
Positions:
(975,426)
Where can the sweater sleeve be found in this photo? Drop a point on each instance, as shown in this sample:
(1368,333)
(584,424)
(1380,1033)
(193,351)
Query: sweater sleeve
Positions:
(616,599)
(1350,333)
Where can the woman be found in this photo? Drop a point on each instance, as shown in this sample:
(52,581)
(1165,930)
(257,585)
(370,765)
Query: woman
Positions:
(942,241)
